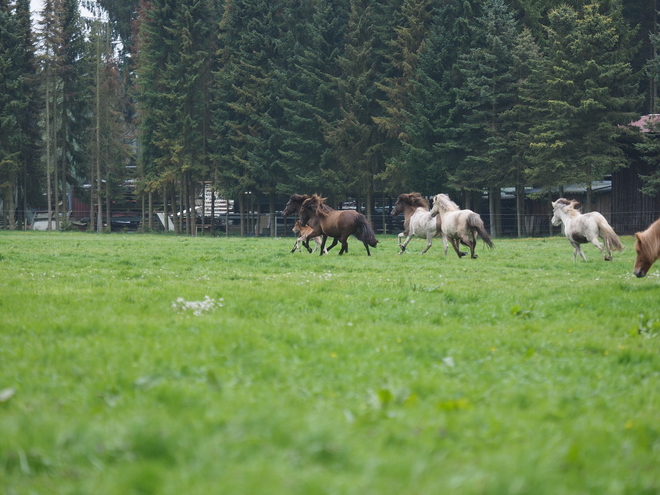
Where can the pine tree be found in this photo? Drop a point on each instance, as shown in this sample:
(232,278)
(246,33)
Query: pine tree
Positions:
(399,86)
(488,92)
(429,150)
(11,105)
(357,142)
(590,94)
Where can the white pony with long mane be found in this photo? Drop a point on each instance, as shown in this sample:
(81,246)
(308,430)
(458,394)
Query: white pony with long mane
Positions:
(459,226)
(581,229)
(418,221)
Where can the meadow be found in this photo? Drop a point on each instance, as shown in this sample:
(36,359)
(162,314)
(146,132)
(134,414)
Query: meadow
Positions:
(154,364)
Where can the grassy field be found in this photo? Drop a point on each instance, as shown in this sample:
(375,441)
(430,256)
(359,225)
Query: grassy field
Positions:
(146,364)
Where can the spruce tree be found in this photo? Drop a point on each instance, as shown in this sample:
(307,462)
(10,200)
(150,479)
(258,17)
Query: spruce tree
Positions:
(590,94)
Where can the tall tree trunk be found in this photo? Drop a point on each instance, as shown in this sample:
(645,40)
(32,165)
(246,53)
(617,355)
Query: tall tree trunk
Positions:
(493,197)
(49,150)
(56,188)
(520,207)
(150,212)
(108,213)
(241,205)
(271,211)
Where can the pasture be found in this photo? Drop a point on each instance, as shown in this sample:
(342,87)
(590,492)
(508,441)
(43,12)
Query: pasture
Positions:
(146,364)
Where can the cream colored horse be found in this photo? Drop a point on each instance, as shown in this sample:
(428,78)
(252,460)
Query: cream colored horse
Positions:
(417,221)
(581,229)
(460,226)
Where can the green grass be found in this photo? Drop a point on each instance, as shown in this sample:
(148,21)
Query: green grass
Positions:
(519,372)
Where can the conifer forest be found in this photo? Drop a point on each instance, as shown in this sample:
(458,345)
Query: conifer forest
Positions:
(349,98)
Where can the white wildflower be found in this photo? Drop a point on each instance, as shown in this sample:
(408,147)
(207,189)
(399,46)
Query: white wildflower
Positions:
(197,307)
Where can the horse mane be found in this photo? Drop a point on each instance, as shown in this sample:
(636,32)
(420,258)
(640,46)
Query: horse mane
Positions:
(572,207)
(415,199)
(298,198)
(318,203)
(649,240)
(447,204)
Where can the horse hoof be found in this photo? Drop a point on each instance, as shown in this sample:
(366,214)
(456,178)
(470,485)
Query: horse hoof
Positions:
(608,258)
(474,256)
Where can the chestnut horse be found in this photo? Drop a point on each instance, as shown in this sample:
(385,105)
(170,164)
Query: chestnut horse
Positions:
(303,237)
(460,226)
(312,231)
(580,229)
(418,221)
(339,224)
(647,245)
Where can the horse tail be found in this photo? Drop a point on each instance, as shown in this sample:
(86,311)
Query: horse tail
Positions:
(609,236)
(475,222)
(365,231)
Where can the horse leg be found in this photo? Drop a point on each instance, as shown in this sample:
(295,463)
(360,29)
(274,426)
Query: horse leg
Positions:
(578,250)
(607,255)
(469,241)
(402,247)
(296,247)
(334,243)
(429,241)
(455,244)
(445,244)
(323,250)
(405,243)
(367,246)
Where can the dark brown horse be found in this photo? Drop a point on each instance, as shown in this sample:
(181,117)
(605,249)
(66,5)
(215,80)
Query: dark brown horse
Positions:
(417,220)
(339,224)
(647,245)
(293,206)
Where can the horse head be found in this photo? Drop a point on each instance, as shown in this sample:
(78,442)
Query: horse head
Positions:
(310,208)
(563,205)
(442,204)
(646,253)
(294,203)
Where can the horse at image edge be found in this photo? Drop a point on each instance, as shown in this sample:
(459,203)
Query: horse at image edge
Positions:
(647,246)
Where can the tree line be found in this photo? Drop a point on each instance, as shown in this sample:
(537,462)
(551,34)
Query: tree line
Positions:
(357,98)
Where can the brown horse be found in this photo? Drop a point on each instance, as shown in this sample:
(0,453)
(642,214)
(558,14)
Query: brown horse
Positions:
(339,224)
(417,220)
(647,245)
(293,206)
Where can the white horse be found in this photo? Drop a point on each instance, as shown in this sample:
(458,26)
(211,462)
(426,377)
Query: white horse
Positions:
(418,221)
(581,229)
(460,226)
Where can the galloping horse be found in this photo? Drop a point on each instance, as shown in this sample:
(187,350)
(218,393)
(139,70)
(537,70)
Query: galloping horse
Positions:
(417,221)
(581,229)
(312,232)
(460,226)
(647,245)
(339,224)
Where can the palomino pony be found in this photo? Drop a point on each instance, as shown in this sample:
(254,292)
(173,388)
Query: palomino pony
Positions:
(418,221)
(460,226)
(581,229)
(339,224)
(647,245)
(312,231)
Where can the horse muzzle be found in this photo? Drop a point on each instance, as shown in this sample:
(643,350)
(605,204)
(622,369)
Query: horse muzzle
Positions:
(639,272)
